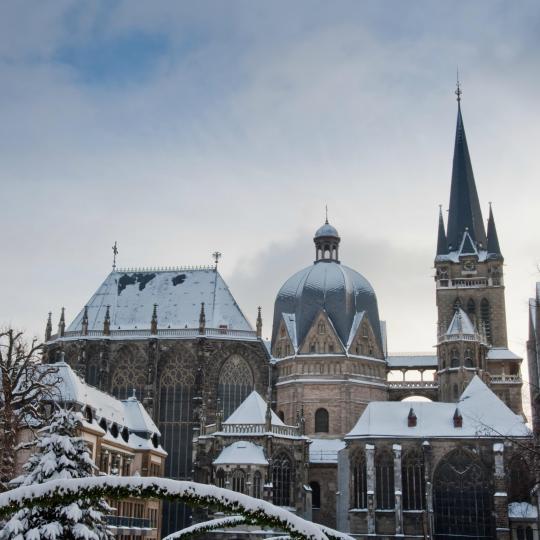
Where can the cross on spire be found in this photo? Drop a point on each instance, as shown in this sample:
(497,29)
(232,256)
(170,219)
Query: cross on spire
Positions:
(458,87)
(216,255)
(115,253)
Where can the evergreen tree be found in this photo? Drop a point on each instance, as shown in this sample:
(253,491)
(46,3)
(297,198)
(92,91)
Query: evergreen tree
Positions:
(61,454)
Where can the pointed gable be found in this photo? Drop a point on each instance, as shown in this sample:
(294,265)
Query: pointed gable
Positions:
(286,343)
(363,341)
(460,324)
(252,411)
(322,337)
(464,212)
(467,246)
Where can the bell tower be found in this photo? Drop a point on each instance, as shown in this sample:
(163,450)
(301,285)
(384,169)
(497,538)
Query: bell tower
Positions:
(469,273)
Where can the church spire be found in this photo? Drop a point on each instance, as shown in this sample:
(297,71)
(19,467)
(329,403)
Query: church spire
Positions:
(464,212)
(493,247)
(442,243)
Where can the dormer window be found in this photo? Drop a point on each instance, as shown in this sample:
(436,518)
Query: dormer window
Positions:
(103,424)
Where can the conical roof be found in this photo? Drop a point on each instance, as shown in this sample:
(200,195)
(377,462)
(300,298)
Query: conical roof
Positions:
(252,411)
(493,247)
(464,212)
(460,324)
(442,242)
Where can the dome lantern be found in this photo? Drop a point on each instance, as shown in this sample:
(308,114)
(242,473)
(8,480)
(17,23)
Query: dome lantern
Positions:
(326,243)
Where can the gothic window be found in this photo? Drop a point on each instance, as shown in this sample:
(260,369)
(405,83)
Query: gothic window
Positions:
(321,328)
(220,478)
(518,481)
(384,479)
(413,481)
(454,362)
(468,358)
(359,482)
(129,375)
(462,497)
(235,383)
(457,304)
(471,307)
(312,347)
(281,480)
(257,485)
(321,421)
(485,314)
(365,331)
(315,495)
(238,481)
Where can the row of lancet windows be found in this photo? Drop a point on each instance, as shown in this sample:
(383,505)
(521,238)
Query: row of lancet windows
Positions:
(482,315)
(455,359)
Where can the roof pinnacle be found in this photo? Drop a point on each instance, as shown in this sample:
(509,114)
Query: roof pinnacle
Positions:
(326,211)
(458,91)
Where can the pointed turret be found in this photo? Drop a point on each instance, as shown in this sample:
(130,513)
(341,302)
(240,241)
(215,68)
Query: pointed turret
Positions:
(154,321)
(442,243)
(259,322)
(48,327)
(62,323)
(202,320)
(84,323)
(493,247)
(107,322)
(464,212)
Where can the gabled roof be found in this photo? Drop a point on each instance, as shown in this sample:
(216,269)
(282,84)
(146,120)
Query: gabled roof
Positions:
(357,321)
(242,453)
(289,319)
(464,212)
(132,294)
(460,324)
(252,411)
(467,246)
(484,415)
(136,416)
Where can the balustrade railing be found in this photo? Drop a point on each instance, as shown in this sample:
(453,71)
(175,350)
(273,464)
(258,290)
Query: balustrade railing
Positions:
(505,379)
(413,384)
(127,522)
(255,429)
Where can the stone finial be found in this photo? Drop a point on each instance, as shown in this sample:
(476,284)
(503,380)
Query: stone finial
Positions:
(202,320)
(458,419)
(219,415)
(48,327)
(107,322)
(411,418)
(62,323)
(154,321)
(84,324)
(259,322)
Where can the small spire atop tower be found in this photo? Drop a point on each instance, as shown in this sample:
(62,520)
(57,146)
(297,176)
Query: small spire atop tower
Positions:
(202,320)
(107,322)
(326,213)
(493,247)
(115,253)
(48,327)
(458,88)
(62,323)
(84,323)
(216,255)
(442,242)
(259,322)
(154,321)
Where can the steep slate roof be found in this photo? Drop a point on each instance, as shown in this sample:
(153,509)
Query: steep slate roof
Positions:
(252,411)
(460,324)
(242,453)
(178,293)
(484,415)
(442,242)
(464,212)
(493,247)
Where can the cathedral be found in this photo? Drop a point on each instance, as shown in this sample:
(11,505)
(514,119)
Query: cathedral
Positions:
(323,420)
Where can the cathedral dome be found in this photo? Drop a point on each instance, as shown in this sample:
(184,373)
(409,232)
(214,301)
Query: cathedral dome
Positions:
(326,230)
(330,286)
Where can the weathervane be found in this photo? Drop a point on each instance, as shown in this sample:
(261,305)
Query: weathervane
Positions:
(458,87)
(217,256)
(115,253)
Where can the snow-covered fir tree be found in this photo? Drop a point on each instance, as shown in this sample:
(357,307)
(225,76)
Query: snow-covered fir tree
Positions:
(60,454)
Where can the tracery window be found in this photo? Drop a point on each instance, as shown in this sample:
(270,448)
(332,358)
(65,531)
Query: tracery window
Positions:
(321,328)
(384,481)
(413,481)
(359,482)
(462,497)
(457,304)
(468,358)
(454,362)
(129,375)
(471,307)
(485,314)
(518,480)
(220,478)
(257,485)
(238,481)
(235,383)
(281,480)
(321,421)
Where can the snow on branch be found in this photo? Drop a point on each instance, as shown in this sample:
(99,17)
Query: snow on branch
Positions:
(206,526)
(192,493)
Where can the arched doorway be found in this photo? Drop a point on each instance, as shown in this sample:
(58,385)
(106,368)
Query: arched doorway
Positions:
(462,498)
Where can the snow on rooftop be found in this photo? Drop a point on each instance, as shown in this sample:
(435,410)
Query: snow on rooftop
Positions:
(484,414)
(460,324)
(252,411)
(178,294)
(325,450)
(501,353)
(242,452)
(136,416)
(412,360)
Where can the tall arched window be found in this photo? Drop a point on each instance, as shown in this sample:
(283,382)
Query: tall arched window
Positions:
(471,307)
(454,358)
(384,480)
(129,374)
(468,358)
(462,497)
(238,481)
(485,314)
(220,478)
(359,482)
(175,414)
(321,421)
(457,303)
(235,383)
(281,480)
(315,495)
(518,480)
(413,481)
(257,485)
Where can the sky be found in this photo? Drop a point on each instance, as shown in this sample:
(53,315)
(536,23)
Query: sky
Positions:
(182,128)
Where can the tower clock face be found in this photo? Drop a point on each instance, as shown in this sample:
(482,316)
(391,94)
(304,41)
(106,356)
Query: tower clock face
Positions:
(469,266)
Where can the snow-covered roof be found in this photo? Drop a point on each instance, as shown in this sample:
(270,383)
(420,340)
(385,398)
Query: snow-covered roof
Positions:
(130,413)
(484,415)
(252,411)
(325,450)
(502,353)
(460,324)
(131,295)
(289,320)
(522,510)
(412,360)
(242,452)
(358,317)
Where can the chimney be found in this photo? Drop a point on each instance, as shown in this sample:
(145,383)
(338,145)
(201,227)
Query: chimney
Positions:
(458,419)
